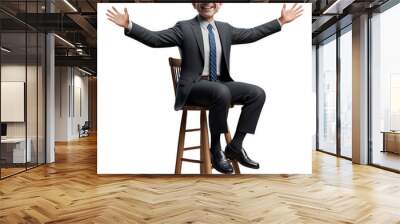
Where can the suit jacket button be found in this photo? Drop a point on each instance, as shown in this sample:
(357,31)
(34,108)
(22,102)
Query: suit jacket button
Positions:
(194,81)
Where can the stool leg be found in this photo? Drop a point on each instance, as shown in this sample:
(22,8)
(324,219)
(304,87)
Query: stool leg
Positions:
(202,171)
(205,148)
(235,163)
(181,143)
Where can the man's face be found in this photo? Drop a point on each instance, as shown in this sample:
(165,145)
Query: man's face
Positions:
(207,10)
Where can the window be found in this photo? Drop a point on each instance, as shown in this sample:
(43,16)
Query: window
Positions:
(327,96)
(385,89)
(346,93)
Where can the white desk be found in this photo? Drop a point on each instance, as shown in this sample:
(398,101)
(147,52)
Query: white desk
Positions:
(18,150)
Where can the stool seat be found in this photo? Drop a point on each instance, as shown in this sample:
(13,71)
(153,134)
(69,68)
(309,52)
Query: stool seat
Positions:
(195,108)
(199,107)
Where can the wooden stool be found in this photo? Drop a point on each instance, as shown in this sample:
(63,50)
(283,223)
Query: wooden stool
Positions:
(205,159)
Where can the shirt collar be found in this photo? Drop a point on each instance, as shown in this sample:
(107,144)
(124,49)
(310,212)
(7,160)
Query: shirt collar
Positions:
(204,23)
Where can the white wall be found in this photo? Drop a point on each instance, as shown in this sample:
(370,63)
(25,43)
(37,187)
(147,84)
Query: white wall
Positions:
(314,92)
(70,83)
(61,103)
(16,72)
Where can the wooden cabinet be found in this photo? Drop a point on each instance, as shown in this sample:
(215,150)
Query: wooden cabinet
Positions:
(391,142)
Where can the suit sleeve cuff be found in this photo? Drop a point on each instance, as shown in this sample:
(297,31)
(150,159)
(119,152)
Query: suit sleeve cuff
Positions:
(129,29)
(130,26)
(279,22)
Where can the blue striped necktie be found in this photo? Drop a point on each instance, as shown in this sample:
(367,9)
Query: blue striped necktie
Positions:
(213,54)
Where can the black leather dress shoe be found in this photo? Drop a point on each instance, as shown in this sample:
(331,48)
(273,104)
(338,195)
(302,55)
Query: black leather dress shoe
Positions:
(220,163)
(241,156)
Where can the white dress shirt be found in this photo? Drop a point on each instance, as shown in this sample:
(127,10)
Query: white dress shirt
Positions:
(206,44)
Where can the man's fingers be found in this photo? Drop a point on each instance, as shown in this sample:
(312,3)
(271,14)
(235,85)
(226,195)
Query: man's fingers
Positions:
(298,8)
(295,4)
(126,11)
(110,12)
(110,16)
(116,11)
(298,15)
(112,20)
(300,11)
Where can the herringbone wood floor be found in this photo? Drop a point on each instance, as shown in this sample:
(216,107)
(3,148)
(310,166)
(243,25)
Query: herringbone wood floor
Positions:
(70,191)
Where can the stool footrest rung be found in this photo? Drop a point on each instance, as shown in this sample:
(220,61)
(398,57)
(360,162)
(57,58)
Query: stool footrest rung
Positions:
(190,148)
(193,129)
(192,160)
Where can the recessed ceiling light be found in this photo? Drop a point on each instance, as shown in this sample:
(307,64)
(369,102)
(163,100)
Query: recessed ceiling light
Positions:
(338,6)
(70,5)
(84,71)
(64,40)
(5,50)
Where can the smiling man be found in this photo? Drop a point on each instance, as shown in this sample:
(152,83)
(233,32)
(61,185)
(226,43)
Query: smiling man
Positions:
(205,45)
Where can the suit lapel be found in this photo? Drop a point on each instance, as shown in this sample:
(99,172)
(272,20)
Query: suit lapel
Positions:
(222,37)
(199,37)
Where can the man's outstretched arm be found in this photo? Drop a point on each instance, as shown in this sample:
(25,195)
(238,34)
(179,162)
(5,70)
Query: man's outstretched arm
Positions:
(244,36)
(164,38)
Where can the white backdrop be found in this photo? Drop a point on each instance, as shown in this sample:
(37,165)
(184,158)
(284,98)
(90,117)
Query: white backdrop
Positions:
(137,124)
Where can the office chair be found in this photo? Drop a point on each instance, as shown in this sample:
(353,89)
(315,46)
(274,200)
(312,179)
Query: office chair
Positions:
(84,130)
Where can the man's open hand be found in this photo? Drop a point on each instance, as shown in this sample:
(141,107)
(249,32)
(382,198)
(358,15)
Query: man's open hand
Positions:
(121,19)
(291,14)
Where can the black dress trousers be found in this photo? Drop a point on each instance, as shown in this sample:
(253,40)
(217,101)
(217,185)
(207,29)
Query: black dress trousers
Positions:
(218,96)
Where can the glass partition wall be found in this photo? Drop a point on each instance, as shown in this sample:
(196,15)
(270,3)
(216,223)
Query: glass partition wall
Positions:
(385,89)
(334,75)
(22,88)
(345,62)
(327,95)
(334,102)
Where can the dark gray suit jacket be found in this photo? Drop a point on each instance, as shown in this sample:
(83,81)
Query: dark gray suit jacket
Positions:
(187,36)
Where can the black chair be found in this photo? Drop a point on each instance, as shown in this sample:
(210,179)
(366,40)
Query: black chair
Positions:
(84,130)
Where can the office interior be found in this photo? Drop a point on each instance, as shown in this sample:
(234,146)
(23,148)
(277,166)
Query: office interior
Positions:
(48,82)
